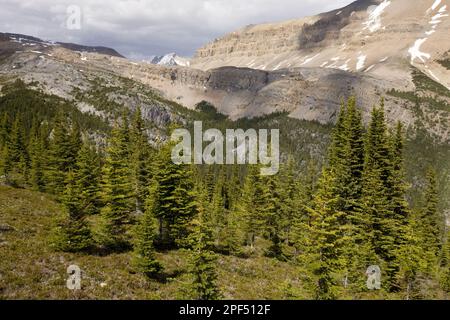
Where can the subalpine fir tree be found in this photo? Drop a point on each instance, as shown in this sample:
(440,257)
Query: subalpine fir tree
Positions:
(350,171)
(300,233)
(411,260)
(60,155)
(324,254)
(203,260)
(75,143)
(218,212)
(172,190)
(290,204)
(405,240)
(144,248)
(254,196)
(5,128)
(117,190)
(141,159)
(72,233)
(16,163)
(271,198)
(336,152)
(88,175)
(347,161)
(37,149)
(432,222)
(378,200)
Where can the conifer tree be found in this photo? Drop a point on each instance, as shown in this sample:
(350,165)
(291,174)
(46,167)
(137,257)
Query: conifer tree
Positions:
(385,225)
(116,190)
(302,220)
(75,144)
(290,199)
(432,222)
(172,190)
(203,260)
(144,249)
(87,175)
(37,149)
(60,155)
(253,200)
(16,163)
(141,159)
(271,199)
(72,233)
(326,242)
(4,130)
(346,160)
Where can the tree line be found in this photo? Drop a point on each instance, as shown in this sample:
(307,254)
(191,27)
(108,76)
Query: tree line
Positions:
(333,222)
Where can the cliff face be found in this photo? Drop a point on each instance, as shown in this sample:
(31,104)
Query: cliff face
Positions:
(374,36)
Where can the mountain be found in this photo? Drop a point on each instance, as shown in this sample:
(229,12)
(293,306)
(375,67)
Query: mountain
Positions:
(170,60)
(24,41)
(369,49)
(377,37)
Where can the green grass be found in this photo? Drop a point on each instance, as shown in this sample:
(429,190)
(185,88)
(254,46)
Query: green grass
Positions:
(29,269)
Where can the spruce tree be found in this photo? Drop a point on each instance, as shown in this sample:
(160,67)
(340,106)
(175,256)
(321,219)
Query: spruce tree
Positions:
(172,190)
(75,144)
(16,163)
(5,128)
(72,233)
(300,233)
(116,190)
(202,260)
(432,222)
(88,175)
(60,155)
(144,249)
(271,210)
(37,149)
(382,162)
(254,199)
(141,159)
(325,251)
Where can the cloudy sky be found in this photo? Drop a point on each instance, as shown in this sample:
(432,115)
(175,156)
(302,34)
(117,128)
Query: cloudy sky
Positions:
(142,28)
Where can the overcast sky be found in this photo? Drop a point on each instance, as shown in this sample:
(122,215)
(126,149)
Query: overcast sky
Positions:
(142,28)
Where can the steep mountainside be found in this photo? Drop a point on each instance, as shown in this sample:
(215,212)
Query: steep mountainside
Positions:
(378,37)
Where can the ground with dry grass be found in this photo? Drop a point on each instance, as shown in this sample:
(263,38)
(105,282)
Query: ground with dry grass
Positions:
(29,269)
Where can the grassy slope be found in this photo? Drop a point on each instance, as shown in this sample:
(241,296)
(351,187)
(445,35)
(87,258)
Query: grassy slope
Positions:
(30,270)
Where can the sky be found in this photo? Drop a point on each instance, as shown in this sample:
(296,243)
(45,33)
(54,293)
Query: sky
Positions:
(140,29)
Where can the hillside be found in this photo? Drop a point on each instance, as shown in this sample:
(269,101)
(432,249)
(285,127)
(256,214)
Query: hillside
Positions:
(377,37)
(360,97)
(29,269)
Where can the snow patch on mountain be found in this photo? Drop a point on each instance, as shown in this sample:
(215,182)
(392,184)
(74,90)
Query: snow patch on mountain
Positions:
(374,22)
(415,52)
(308,60)
(361,62)
(434,6)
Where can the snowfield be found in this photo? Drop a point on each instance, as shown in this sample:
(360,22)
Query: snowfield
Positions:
(415,52)
(361,62)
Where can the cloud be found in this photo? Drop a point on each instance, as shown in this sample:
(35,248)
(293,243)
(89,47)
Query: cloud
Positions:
(141,28)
